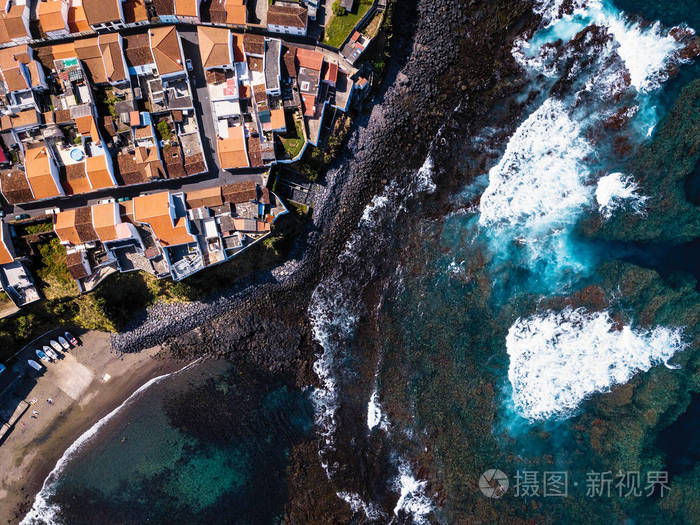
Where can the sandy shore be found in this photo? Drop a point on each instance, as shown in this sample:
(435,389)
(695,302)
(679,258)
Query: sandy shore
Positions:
(82,394)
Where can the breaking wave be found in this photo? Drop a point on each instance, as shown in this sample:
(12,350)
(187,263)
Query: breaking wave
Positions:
(616,189)
(413,499)
(558,359)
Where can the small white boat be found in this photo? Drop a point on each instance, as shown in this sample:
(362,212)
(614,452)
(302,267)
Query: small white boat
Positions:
(49,352)
(41,355)
(55,345)
(36,366)
(63,342)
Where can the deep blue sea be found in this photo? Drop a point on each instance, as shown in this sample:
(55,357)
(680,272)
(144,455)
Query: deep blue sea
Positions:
(546,325)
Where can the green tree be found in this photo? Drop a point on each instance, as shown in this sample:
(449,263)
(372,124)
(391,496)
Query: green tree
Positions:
(163,130)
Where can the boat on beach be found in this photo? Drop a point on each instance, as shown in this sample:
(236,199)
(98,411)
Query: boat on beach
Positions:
(55,345)
(63,342)
(36,366)
(41,355)
(71,339)
(49,352)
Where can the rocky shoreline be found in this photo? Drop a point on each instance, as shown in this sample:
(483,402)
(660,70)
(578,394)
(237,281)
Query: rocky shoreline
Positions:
(446,54)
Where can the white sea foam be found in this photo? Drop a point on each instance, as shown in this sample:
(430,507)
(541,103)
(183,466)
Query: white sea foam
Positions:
(371,510)
(375,416)
(424,177)
(645,50)
(540,180)
(413,499)
(616,189)
(43,512)
(558,359)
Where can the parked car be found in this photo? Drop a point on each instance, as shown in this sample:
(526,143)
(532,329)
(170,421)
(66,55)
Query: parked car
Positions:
(21,216)
(2,213)
(189,64)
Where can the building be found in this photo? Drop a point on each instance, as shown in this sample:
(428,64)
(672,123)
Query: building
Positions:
(14,22)
(14,277)
(232,12)
(42,172)
(167,52)
(289,19)
(231,149)
(135,13)
(74,227)
(104,15)
(187,11)
(53,18)
(215,48)
(271,65)
(20,76)
(113,60)
(77,19)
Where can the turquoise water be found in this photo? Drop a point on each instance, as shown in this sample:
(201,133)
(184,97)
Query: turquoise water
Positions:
(206,445)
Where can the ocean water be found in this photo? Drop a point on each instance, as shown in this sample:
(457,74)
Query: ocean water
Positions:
(548,321)
(209,444)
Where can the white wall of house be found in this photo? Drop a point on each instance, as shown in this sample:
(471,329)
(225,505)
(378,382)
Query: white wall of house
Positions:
(287,30)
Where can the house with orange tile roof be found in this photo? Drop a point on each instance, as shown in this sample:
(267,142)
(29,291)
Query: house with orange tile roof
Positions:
(187,11)
(167,51)
(104,15)
(231,149)
(77,19)
(110,229)
(14,22)
(53,18)
(42,172)
(89,53)
(215,47)
(231,12)
(113,60)
(135,13)
(74,226)
(21,75)
(166,215)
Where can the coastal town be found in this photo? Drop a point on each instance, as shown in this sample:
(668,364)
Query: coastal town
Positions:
(144,132)
(147,137)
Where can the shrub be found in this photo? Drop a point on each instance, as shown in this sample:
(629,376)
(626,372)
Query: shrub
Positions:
(337,9)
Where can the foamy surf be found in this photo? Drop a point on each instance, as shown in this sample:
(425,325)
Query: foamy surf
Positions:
(558,359)
(646,51)
(43,512)
(614,191)
(413,498)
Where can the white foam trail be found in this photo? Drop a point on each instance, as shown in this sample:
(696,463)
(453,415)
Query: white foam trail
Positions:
(614,190)
(45,513)
(558,359)
(413,499)
(371,510)
(540,180)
